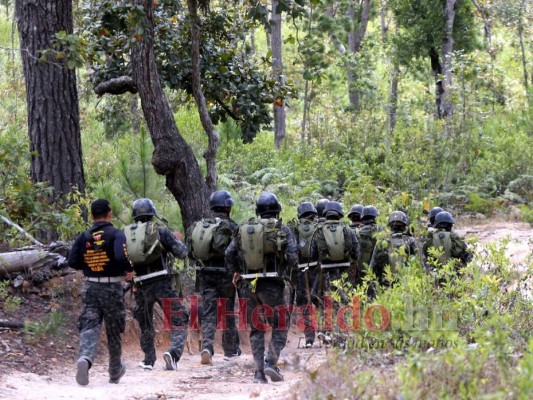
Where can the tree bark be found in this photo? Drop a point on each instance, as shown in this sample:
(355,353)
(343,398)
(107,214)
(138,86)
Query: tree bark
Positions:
(521,39)
(52,97)
(277,66)
(355,38)
(447,50)
(212,135)
(172,156)
(436,67)
(17,261)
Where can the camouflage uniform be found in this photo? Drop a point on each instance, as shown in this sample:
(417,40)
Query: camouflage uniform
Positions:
(458,250)
(152,291)
(216,283)
(327,275)
(101,253)
(381,255)
(307,273)
(367,242)
(268,292)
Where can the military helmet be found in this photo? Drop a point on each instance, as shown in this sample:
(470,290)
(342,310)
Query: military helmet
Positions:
(221,198)
(357,209)
(444,217)
(267,203)
(398,217)
(433,213)
(369,212)
(305,208)
(320,205)
(333,206)
(143,207)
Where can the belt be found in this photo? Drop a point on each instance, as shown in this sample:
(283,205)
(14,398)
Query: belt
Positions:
(335,265)
(210,269)
(305,265)
(261,275)
(141,278)
(104,279)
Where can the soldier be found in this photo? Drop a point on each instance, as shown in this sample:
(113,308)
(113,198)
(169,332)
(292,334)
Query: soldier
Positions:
(320,205)
(207,240)
(100,252)
(431,218)
(267,251)
(396,249)
(452,245)
(336,248)
(150,247)
(367,236)
(355,216)
(307,269)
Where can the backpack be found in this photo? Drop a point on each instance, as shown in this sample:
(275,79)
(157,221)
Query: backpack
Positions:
(143,242)
(209,238)
(442,239)
(367,242)
(258,238)
(398,250)
(334,241)
(304,233)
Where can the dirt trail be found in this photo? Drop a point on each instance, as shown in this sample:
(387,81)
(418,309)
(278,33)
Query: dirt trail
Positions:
(227,380)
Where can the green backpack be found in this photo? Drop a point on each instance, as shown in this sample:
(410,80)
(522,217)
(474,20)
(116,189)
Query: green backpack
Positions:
(443,240)
(334,241)
(398,250)
(209,238)
(143,242)
(258,238)
(304,233)
(367,242)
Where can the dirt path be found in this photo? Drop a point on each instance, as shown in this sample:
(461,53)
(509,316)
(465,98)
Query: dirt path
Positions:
(228,380)
(223,380)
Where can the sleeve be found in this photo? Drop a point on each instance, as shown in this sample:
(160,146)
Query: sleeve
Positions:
(313,248)
(460,249)
(291,252)
(232,256)
(120,251)
(354,251)
(173,245)
(75,255)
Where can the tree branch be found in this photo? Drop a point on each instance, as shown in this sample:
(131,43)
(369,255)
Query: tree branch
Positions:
(116,86)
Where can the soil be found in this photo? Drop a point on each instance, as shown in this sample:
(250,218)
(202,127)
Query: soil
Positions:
(43,367)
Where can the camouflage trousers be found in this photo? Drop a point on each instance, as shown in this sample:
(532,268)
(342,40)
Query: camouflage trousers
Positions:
(102,302)
(218,288)
(269,293)
(146,296)
(306,296)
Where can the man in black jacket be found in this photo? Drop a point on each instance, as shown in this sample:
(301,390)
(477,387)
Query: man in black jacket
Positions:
(100,252)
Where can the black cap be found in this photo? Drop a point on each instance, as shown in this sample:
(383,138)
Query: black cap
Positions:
(100,207)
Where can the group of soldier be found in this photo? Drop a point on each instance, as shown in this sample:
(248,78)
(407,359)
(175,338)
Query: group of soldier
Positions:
(257,259)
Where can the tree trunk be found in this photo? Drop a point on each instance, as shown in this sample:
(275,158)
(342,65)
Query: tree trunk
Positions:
(277,66)
(436,67)
(521,39)
(355,38)
(172,156)
(447,50)
(392,105)
(212,135)
(52,97)
(306,104)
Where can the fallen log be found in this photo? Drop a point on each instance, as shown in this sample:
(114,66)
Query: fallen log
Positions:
(17,261)
(6,323)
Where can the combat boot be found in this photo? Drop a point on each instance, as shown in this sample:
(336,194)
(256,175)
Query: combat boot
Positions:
(259,377)
(273,372)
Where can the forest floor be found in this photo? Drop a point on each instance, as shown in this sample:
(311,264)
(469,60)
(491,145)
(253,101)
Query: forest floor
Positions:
(45,367)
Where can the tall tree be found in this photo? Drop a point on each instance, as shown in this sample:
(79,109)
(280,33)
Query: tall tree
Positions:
(277,66)
(172,156)
(434,28)
(51,95)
